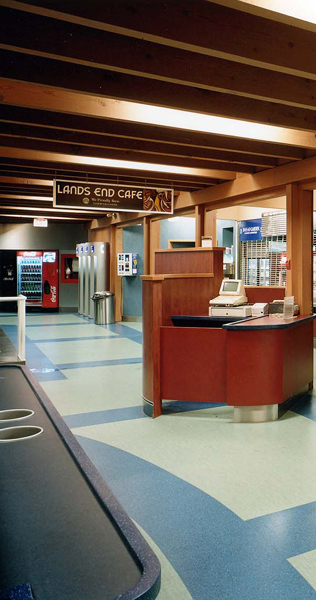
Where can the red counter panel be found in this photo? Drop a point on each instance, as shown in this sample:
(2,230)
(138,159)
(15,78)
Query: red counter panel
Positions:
(254,367)
(193,364)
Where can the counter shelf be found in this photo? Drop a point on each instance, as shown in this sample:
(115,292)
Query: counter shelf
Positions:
(62,530)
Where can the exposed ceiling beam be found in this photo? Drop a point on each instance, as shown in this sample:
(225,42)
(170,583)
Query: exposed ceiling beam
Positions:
(250,184)
(203,27)
(106,144)
(11,167)
(27,154)
(40,97)
(172,161)
(108,84)
(26,181)
(35,216)
(298,14)
(105,50)
(25,197)
(103,127)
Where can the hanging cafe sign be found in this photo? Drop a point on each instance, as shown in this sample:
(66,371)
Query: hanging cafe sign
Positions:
(101,197)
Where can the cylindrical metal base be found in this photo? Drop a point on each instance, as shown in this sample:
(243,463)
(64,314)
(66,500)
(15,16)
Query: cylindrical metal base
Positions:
(256,414)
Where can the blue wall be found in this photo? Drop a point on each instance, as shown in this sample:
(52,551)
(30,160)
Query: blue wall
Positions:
(221,224)
(179,228)
(132,286)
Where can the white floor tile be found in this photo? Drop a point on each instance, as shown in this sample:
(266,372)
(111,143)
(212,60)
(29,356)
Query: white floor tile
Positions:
(305,564)
(253,469)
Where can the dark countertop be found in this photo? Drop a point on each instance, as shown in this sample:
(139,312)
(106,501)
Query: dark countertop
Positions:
(61,528)
(268,322)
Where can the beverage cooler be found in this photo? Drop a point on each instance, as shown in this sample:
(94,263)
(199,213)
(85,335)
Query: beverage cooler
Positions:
(37,278)
(34,274)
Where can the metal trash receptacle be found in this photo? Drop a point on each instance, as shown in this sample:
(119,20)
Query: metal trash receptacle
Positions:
(103,308)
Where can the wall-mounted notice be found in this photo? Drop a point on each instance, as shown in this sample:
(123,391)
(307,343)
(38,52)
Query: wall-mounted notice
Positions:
(126,264)
(107,198)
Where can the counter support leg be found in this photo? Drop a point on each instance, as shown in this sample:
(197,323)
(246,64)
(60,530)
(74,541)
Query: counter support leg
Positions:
(256,414)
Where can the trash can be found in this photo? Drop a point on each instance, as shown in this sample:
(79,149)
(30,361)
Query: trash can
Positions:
(103,308)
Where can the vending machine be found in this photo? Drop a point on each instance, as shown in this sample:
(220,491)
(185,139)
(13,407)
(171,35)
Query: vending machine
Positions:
(8,279)
(37,277)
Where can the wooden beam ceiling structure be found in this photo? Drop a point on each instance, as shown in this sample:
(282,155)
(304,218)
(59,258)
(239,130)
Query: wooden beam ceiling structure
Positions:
(216,99)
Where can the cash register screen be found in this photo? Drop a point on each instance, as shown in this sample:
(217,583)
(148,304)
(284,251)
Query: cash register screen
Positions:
(230,286)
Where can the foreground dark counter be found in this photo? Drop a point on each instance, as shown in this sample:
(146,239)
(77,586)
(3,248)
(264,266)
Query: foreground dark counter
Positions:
(268,322)
(61,529)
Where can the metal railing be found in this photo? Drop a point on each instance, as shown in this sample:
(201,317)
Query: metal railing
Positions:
(21,322)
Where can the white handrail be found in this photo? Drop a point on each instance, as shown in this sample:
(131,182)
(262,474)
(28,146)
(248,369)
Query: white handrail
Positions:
(21,322)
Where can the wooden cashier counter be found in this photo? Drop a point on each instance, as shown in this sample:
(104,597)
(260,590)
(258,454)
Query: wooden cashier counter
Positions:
(253,363)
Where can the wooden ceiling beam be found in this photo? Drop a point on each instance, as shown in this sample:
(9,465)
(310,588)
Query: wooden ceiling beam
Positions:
(87,162)
(138,131)
(191,162)
(142,147)
(107,84)
(204,27)
(105,50)
(8,216)
(11,168)
(50,210)
(26,197)
(26,181)
(290,13)
(251,184)
(37,96)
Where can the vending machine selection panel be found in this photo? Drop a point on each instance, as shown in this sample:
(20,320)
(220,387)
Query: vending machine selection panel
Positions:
(127,264)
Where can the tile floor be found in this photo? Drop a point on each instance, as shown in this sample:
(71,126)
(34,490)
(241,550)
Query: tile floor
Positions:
(230,509)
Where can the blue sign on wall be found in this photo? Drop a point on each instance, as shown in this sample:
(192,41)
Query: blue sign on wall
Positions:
(250,230)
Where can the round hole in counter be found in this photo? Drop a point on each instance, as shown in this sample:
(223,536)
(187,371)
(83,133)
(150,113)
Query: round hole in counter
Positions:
(15,434)
(15,414)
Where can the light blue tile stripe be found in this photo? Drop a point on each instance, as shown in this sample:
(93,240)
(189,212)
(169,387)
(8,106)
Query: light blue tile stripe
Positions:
(105,416)
(75,339)
(37,362)
(98,363)
(129,413)
(56,324)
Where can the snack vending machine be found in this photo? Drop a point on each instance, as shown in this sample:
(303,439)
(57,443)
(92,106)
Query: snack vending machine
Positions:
(37,277)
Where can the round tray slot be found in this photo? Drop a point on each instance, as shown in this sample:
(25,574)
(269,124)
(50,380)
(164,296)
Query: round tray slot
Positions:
(19,434)
(15,414)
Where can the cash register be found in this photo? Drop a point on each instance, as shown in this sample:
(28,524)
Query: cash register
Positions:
(232,300)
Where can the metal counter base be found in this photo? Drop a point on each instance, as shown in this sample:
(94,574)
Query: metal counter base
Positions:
(62,531)
(256,414)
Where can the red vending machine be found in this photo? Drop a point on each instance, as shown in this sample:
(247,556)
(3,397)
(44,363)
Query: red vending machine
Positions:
(37,274)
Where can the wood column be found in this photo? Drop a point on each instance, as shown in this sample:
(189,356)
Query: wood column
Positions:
(152,321)
(199,225)
(154,243)
(210,225)
(116,281)
(299,243)
(146,231)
